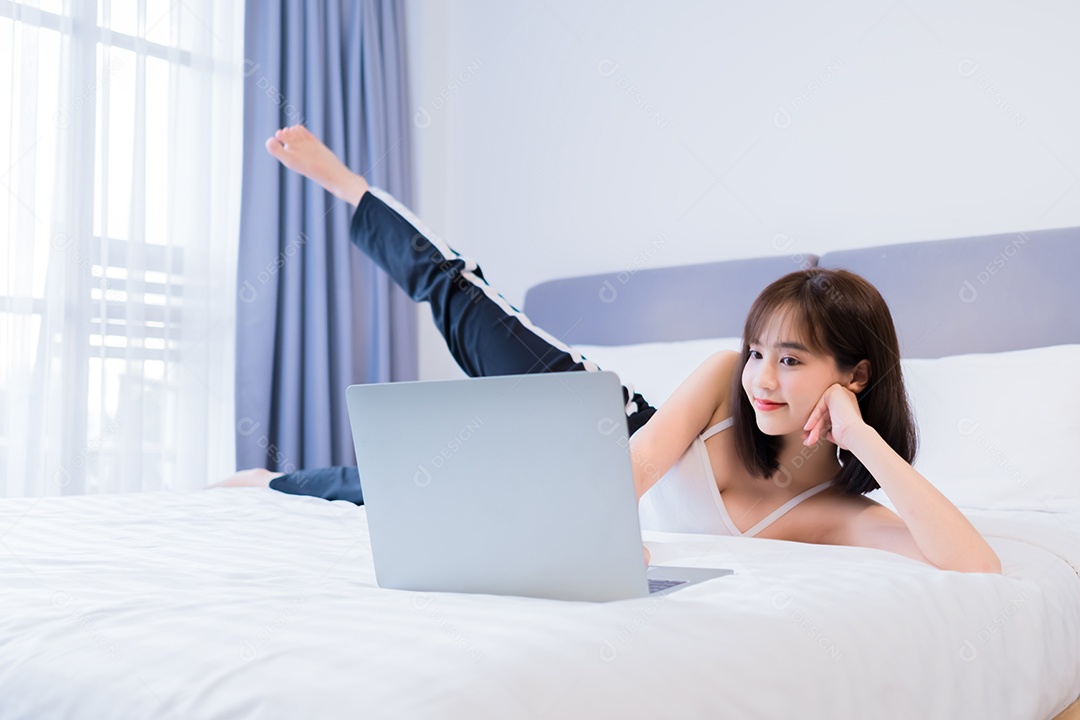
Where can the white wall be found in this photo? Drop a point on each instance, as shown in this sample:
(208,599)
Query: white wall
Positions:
(564,137)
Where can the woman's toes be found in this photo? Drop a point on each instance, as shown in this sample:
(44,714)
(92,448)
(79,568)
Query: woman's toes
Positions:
(291,134)
(274,147)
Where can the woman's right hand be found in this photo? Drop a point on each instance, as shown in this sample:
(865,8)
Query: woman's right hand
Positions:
(645,550)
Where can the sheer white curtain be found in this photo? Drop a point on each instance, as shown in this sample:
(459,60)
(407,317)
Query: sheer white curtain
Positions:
(119,213)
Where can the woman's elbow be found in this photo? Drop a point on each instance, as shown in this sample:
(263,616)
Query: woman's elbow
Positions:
(992,565)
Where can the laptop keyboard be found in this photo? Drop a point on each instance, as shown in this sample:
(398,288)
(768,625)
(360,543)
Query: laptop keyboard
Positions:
(658,585)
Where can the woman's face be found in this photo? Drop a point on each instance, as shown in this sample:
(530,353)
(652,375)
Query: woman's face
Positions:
(784,379)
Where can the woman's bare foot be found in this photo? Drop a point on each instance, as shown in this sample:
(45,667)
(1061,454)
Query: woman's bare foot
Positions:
(255,477)
(302,152)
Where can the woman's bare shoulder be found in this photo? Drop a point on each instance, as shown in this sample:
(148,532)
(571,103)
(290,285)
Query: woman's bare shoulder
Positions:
(705,390)
(726,363)
(685,414)
(723,365)
(720,368)
(726,358)
(658,444)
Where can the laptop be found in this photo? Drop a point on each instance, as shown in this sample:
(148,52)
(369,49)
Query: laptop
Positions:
(507,485)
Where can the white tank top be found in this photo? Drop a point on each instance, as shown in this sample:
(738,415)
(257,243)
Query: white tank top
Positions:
(687,500)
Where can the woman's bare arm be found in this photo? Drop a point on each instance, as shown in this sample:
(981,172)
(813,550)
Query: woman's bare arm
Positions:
(940,531)
(659,443)
(926,525)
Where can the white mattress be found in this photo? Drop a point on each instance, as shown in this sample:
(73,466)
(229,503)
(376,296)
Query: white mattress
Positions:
(247,603)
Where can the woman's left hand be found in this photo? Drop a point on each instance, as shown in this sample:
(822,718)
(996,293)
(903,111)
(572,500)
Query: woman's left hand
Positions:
(834,417)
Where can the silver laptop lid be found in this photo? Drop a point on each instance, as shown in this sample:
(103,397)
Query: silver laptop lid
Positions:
(514,484)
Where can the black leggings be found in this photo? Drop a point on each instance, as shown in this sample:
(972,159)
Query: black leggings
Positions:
(485,334)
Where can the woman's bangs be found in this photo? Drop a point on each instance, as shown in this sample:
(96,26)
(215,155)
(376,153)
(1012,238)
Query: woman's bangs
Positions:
(793,322)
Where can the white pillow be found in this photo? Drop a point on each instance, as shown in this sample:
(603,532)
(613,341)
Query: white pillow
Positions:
(996,430)
(656,369)
(1000,430)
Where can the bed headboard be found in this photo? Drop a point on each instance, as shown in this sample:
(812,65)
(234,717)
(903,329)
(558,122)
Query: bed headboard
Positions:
(982,294)
(685,302)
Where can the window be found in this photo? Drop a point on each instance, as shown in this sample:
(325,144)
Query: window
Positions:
(119,165)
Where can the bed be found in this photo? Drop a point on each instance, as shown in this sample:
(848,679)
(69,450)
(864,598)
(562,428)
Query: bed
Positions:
(247,603)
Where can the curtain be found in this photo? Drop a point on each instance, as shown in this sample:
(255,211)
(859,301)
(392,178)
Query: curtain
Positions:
(315,315)
(119,154)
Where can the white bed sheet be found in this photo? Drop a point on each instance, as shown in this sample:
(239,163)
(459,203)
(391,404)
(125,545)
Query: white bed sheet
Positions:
(247,603)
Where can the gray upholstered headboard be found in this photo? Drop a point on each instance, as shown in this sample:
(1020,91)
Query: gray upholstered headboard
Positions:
(983,294)
(686,302)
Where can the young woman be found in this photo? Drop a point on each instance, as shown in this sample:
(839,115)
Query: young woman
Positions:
(815,403)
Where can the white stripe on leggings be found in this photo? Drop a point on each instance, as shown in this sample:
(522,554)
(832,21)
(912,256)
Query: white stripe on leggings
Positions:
(470,265)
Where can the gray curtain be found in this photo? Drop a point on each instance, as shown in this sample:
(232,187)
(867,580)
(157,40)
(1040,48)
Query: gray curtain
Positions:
(315,315)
